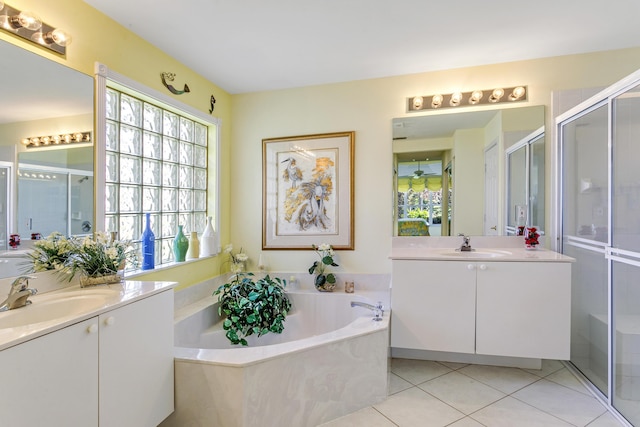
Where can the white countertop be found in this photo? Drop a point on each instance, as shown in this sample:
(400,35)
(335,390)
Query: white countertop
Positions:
(122,294)
(480,254)
(485,249)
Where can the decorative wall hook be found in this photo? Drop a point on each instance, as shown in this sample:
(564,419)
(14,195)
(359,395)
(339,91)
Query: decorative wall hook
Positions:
(213,101)
(170,77)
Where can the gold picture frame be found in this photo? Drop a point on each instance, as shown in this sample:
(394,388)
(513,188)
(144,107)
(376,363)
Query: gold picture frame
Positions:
(307,191)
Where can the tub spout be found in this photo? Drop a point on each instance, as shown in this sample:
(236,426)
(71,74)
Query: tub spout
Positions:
(377,309)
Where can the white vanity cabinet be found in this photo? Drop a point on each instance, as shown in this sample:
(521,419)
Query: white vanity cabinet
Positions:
(433,306)
(51,380)
(524,309)
(112,370)
(516,309)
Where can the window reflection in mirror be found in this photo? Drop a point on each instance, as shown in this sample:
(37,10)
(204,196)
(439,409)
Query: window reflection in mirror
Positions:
(525,183)
(465,145)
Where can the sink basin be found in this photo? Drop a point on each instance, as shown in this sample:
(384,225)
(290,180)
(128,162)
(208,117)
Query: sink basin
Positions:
(476,253)
(51,307)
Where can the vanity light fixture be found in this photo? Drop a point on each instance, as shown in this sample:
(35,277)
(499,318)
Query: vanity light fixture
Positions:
(53,140)
(461,99)
(29,26)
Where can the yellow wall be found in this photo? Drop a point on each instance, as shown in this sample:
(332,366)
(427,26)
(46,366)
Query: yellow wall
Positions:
(96,38)
(368,107)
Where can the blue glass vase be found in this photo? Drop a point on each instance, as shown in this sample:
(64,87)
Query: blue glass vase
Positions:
(148,240)
(180,245)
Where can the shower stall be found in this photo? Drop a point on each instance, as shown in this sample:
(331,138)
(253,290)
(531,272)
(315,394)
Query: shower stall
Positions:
(599,152)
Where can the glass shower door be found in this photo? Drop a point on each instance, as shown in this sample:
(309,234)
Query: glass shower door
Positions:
(625,255)
(585,198)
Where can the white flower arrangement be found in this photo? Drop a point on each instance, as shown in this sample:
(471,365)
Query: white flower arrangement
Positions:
(237,260)
(49,254)
(91,257)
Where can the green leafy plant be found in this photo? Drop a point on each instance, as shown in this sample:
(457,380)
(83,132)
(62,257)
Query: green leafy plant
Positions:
(252,307)
(325,252)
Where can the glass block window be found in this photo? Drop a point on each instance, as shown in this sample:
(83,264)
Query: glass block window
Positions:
(157,163)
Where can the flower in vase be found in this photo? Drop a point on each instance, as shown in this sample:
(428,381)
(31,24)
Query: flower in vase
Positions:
(326,254)
(51,253)
(100,256)
(531,237)
(236,260)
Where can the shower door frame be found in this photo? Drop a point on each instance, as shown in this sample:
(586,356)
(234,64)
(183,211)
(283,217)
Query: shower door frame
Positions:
(605,96)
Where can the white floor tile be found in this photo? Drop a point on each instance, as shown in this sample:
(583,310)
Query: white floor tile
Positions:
(462,392)
(562,402)
(566,378)
(454,365)
(415,408)
(417,371)
(397,384)
(605,420)
(466,422)
(364,417)
(507,380)
(510,412)
(548,367)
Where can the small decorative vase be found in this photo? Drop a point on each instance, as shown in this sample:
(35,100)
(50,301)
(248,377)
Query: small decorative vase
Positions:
(208,240)
(99,280)
(180,246)
(323,285)
(148,241)
(194,246)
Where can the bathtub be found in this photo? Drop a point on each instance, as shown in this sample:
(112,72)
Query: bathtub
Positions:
(330,360)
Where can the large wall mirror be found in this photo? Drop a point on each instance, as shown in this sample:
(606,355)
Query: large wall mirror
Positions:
(47,188)
(451,172)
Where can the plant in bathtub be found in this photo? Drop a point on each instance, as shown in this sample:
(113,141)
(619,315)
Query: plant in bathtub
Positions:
(325,282)
(252,307)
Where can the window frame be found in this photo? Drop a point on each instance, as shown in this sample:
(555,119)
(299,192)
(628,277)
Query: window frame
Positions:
(105,77)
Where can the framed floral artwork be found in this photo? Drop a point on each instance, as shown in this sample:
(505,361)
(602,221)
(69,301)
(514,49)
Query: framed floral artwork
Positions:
(307,191)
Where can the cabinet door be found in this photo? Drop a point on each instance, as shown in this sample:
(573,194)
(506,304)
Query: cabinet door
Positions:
(524,309)
(52,380)
(136,363)
(433,305)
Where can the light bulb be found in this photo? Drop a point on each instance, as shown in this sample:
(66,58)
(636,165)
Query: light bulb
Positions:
(66,138)
(24,141)
(517,93)
(46,140)
(78,137)
(417,102)
(28,20)
(59,37)
(436,101)
(496,95)
(476,96)
(456,97)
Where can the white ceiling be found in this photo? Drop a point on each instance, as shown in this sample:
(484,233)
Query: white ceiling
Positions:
(256,45)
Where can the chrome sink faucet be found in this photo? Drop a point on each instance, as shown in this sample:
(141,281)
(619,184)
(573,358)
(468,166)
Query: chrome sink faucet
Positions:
(18,294)
(466,243)
(377,309)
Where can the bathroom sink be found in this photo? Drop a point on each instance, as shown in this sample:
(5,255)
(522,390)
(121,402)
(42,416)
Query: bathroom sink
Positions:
(476,253)
(51,307)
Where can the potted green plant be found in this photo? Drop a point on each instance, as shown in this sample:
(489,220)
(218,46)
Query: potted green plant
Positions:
(252,307)
(324,281)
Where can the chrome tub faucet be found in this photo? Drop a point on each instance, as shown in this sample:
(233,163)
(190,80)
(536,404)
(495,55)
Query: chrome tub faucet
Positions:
(18,294)
(377,309)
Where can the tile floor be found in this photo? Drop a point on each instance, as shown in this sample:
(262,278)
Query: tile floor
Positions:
(437,394)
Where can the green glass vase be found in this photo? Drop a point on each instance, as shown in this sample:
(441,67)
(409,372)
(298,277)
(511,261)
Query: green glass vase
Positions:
(180,246)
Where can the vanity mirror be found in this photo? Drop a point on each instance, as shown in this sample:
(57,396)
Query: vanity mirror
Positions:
(43,97)
(451,174)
